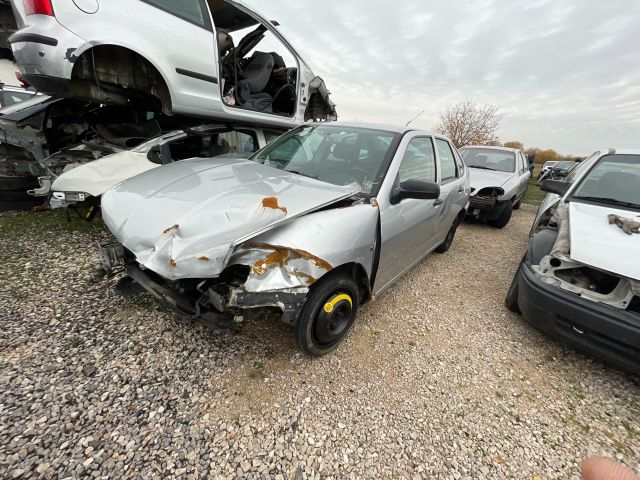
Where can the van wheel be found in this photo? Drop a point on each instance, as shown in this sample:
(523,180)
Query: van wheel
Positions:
(446,245)
(328,314)
(504,217)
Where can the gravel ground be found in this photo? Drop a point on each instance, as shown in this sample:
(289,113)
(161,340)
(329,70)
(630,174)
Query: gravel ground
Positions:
(437,379)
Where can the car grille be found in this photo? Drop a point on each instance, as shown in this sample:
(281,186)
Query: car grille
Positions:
(482,202)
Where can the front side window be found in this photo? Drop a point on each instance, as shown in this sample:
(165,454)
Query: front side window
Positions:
(418,162)
(489,159)
(190,10)
(333,154)
(447,161)
(11,98)
(614,180)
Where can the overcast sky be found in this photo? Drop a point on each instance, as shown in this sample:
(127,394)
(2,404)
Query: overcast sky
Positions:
(566,74)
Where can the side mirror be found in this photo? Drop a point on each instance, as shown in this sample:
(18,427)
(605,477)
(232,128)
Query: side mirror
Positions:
(555,186)
(418,189)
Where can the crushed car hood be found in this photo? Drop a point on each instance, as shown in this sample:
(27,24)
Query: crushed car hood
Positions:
(184,219)
(602,245)
(98,176)
(487,178)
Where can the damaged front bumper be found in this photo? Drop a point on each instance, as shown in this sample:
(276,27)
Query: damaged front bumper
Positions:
(602,330)
(218,302)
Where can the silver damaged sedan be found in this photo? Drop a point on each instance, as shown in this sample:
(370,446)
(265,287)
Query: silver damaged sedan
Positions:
(314,225)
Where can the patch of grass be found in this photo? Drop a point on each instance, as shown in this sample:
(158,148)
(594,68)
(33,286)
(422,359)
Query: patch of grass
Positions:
(412,343)
(534,195)
(499,395)
(257,372)
(18,224)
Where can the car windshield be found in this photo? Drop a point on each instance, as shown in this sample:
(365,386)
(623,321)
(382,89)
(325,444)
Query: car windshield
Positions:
(35,100)
(333,154)
(615,180)
(564,165)
(488,159)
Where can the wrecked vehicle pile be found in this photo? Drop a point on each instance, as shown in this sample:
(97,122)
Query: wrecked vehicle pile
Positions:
(110,96)
(313,225)
(580,278)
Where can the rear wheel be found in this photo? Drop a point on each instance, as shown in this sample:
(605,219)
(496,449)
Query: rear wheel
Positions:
(504,217)
(328,314)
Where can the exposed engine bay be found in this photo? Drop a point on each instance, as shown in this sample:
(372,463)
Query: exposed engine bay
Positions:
(550,257)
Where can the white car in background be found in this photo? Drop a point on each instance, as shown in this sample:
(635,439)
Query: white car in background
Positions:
(499,179)
(84,184)
(209,58)
(580,278)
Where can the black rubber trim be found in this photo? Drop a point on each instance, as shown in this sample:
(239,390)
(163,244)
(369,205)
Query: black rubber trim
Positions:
(33,38)
(199,76)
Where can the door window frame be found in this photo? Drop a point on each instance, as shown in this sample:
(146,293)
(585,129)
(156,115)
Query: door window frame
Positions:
(458,175)
(204,8)
(435,159)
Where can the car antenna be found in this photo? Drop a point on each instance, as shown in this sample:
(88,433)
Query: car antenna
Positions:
(409,122)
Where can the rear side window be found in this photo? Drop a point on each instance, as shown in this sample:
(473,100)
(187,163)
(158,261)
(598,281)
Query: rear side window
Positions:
(418,162)
(189,10)
(447,161)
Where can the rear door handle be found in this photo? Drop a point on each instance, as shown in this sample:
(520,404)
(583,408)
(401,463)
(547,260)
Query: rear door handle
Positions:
(437,202)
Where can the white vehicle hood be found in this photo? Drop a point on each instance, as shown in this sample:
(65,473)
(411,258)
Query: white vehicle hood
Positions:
(488,178)
(597,243)
(100,175)
(183,220)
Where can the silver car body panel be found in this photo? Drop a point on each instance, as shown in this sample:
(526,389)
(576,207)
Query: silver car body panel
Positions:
(281,258)
(185,54)
(183,220)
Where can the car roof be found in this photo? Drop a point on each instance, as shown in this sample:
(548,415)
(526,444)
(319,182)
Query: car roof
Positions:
(489,147)
(377,126)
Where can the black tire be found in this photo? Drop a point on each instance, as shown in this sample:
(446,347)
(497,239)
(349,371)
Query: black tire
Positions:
(446,245)
(504,217)
(518,204)
(512,295)
(328,314)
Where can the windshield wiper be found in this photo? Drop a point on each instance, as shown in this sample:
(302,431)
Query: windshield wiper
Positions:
(300,173)
(483,168)
(609,201)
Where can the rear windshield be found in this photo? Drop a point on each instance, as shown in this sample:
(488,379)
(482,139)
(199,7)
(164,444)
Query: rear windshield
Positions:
(488,159)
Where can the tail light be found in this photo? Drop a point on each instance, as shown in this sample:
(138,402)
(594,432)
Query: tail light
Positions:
(38,7)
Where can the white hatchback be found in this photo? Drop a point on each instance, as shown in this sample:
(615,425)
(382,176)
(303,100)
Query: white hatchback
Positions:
(211,58)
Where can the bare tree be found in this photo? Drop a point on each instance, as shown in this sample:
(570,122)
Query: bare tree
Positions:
(467,123)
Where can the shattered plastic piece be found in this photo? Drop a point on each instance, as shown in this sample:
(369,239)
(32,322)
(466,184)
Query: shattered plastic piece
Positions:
(627,225)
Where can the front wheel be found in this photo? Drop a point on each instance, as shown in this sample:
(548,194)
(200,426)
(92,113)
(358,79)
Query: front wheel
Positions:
(328,314)
(504,217)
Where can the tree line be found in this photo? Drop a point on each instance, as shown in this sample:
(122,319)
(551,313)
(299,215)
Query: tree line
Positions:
(468,123)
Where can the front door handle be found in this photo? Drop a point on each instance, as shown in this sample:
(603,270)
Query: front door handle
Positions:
(437,202)
(461,189)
